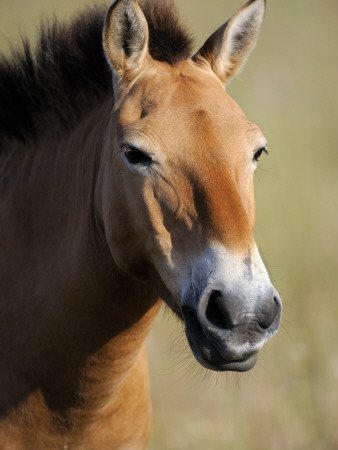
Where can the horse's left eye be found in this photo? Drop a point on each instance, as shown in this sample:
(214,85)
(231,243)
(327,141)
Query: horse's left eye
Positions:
(136,156)
(259,152)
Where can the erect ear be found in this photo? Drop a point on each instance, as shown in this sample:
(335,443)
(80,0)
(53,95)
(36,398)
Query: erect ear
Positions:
(228,48)
(125,37)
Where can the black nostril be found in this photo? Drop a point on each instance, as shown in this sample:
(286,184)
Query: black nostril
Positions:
(268,313)
(216,313)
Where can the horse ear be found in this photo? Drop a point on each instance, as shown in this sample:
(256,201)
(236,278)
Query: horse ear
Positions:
(228,48)
(125,37)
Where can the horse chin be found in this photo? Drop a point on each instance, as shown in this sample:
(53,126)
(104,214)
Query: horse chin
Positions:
(207,354)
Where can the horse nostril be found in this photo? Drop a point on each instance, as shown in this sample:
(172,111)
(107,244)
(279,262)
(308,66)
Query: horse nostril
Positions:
(268,313)
(216,311)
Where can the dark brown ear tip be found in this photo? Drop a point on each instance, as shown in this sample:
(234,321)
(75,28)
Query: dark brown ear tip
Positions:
(253,1)
(116,3)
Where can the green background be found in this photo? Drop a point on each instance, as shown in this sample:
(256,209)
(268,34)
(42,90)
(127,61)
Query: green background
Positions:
(289,87)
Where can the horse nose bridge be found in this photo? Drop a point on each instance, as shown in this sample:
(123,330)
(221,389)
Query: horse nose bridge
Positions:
(221,210)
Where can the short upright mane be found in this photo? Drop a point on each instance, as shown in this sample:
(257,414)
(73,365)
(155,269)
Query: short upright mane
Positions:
(67,75)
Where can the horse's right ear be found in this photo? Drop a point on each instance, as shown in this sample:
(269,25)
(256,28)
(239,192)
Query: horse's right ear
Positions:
(125,37)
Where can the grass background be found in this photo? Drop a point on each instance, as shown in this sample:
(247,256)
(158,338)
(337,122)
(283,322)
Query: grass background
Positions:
(289,87)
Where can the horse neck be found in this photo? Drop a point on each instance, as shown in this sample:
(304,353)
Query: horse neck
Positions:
(78,321)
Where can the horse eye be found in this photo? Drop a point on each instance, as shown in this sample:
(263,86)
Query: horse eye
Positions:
(136,156)
(259,152)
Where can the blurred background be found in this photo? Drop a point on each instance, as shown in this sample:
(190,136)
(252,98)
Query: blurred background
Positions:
(290,88)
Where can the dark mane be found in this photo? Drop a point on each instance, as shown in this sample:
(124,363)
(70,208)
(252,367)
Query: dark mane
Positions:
(67,75)
(168,40)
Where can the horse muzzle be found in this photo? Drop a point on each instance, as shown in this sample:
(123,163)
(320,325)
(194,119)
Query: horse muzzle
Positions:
(224,335)
(227,322)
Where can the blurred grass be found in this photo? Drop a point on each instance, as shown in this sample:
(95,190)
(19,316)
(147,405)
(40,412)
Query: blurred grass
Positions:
(289,87)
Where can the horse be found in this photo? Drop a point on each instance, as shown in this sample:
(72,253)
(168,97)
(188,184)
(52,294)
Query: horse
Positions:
(126,177)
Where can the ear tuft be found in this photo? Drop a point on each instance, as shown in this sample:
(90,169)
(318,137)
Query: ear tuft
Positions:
(125,36)
(229,47)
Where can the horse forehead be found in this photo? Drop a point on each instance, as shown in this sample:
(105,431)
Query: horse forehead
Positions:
(187,98)
(188,87)
(185,107)
(180,85)
(204,119)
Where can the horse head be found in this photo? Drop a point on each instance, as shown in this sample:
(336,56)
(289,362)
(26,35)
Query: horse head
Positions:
(176,195)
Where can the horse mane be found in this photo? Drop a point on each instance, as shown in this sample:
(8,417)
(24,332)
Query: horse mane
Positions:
(168,40)
(54,86)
